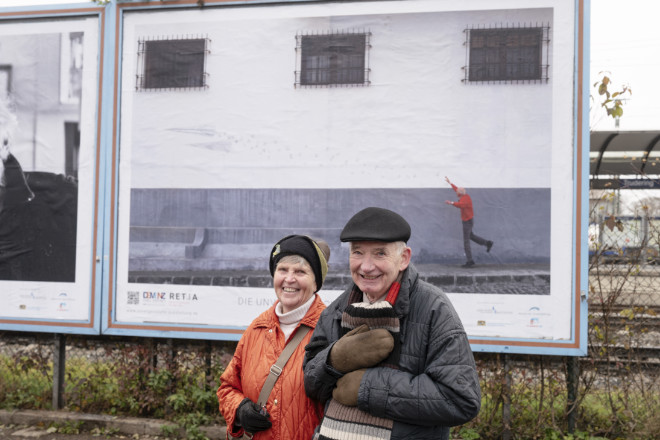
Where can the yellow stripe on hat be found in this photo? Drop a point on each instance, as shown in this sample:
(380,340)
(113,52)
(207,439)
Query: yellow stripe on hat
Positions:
(324,263)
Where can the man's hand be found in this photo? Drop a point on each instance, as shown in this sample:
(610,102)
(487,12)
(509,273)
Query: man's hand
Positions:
(447,180)
(361,348)
(251,417)
(346,391)
(449,202)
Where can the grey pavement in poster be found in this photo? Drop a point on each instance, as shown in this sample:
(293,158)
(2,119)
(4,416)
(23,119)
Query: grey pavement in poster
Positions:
(214,237)
(235,229)
(522,279)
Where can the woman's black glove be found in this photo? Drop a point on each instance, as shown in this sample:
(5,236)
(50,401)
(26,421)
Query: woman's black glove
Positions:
(251,417)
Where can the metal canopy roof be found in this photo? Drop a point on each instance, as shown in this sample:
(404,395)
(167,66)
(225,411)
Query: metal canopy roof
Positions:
(631,153)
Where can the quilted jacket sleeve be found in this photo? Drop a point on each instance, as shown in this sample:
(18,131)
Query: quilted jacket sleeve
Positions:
(445,392)
(320,377)
(230,393)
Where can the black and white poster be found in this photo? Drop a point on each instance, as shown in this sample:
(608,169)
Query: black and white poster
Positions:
(48,108)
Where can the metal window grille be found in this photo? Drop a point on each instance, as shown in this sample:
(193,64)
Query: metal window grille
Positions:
(507,55)
(172,64)
(333,59)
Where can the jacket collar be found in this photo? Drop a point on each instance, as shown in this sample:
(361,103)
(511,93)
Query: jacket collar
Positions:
(408,283)
(269,318)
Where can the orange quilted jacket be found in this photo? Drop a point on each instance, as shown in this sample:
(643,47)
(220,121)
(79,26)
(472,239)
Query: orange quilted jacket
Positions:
(292,413)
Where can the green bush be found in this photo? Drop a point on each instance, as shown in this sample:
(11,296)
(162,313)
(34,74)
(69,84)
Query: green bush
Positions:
(25,382)
(538,407)
(92,387)
(143,380)
(126,382)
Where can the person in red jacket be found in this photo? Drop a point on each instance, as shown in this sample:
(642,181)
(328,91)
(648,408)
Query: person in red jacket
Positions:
(298,265)
(464,203)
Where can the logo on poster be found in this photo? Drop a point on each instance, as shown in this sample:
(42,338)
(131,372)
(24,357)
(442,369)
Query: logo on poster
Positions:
(32,296)
(172,296)
(33,308)
(158,296)
(183,296)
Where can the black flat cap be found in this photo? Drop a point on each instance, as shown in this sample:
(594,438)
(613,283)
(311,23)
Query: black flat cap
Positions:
(376,224)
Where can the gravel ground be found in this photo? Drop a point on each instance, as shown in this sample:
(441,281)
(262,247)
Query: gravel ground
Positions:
(19,432)
(62,425)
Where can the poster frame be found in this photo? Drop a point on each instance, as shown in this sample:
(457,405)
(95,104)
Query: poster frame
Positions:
(574,346)
(92,324)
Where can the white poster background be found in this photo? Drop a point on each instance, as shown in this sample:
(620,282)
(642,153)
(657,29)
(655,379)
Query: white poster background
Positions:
(201,305)
(63,300)
(256,138)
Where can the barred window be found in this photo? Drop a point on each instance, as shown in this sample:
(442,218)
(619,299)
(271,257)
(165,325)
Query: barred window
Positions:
(333,59)
(507,54)
(172,64)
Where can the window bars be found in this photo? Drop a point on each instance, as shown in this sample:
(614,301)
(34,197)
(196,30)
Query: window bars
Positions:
(172,63)
(507,54)
(332,59)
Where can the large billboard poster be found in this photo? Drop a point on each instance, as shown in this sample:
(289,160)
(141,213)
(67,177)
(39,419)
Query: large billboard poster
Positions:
(237,126)
(48,149)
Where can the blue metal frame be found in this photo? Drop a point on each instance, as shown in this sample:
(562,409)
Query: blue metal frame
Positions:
(91,326)
(577,345)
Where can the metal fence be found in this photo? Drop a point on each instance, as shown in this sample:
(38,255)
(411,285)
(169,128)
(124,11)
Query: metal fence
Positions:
(613,392)
(610,392)
(142,377)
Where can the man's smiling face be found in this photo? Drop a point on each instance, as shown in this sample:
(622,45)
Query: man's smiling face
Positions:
(375,265)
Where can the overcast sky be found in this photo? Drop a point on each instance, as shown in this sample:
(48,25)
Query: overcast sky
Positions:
(625,40)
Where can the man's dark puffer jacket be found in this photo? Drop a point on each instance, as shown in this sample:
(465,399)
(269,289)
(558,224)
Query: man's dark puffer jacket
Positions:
(436,386)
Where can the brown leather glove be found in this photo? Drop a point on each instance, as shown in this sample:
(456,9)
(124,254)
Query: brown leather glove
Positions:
(361,348)
(346,391)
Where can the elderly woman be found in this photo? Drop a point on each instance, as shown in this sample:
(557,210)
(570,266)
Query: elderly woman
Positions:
(298,266)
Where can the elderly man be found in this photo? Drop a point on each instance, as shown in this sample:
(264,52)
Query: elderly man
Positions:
(389,358)
(464,203)
(37,223)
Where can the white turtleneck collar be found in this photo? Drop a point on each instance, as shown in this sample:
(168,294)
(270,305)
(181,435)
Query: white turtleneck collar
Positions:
(290,320)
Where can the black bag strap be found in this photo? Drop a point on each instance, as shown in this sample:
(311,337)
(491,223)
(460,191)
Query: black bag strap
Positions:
(276,369)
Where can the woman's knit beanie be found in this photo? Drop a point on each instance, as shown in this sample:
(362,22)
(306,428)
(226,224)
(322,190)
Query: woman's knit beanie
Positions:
(305,247)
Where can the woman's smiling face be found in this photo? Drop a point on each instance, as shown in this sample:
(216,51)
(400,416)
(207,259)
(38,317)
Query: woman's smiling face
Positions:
(294,282)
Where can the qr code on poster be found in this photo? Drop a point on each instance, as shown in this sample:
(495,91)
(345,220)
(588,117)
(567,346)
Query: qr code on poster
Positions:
(133,298)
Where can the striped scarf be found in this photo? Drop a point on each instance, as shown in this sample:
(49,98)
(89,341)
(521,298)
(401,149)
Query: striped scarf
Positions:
(342,422)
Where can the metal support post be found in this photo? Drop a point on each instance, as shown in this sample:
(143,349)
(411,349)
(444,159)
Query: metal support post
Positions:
(572,370)
(506,399)
(59,363)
